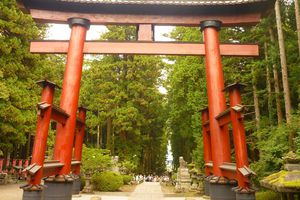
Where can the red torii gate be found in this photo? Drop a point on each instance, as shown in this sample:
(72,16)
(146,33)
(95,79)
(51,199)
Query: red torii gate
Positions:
(79,14)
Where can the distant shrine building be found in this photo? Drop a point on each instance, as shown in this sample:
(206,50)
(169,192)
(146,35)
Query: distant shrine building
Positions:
(224,180)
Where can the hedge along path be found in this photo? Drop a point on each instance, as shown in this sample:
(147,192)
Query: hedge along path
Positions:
(147,191)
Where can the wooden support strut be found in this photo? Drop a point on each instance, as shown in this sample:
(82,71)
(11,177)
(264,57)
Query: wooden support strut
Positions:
(143,48)
(206,141)
(40,142)
(52,167)
(239,136)
(58,114)
(79,137)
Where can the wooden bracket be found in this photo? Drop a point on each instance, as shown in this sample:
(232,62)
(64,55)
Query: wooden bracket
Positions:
(246,171)
(32,169)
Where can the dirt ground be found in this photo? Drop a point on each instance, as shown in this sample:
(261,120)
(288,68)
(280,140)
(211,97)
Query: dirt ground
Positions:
(11,192)
(169,191)
(127,188)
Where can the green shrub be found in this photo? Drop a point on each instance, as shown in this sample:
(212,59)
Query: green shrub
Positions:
(174,176)
(126,179)
(266,195)
(107,181)
(128,167)
(95,160)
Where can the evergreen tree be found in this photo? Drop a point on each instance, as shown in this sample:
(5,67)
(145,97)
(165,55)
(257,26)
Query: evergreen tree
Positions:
(122,93)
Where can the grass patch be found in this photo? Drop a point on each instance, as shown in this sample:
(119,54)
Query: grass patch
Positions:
(266,195)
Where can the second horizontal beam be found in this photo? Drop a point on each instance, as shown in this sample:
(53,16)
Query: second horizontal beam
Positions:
(143,48)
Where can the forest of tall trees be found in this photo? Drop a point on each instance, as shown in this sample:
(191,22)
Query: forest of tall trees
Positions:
(127,113)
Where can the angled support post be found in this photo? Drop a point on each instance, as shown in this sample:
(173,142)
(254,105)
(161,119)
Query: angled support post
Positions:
(207,150)
(61,184)
(220,141)
(239,138)
(79,137)
(206,140)
(34,189)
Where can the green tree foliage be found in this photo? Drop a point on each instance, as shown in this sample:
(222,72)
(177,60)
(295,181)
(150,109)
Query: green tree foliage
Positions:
(95,160)
(122,92)
(17,67)
(19,70)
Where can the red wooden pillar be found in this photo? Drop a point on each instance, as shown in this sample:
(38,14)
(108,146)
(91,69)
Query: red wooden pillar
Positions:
(206,141)
(220,141)
(41,134)
(239,135)
(79,137)
(1,165)
(26,163)
(70,93)
(7,162)
(20,166)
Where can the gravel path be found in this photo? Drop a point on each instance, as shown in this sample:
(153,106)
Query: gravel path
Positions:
(147,191)
(144,191)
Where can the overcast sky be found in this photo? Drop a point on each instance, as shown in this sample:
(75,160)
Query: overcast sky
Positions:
(62,32)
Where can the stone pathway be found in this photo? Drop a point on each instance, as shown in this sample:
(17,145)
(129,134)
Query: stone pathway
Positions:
(144,191)
(147,191)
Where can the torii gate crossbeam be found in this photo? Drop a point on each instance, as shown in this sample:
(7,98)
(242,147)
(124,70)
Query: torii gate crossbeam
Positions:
(144,48)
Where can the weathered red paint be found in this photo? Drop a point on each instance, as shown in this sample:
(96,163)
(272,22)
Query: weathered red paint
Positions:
(20,163)
(206,141)
(40,141)
(20,166)
(79,139)
(224,119)
(69,98)
(26,163)
(59,115)
(143,48)
(220,141)
(1,165)
(239,135)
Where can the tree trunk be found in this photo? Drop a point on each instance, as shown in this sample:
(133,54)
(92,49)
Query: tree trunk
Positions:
(98,145)
(28,146)
(297,22)
(286,91)
(276,83)
(108,133)
(113,142)
(268,83)
(256,102)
